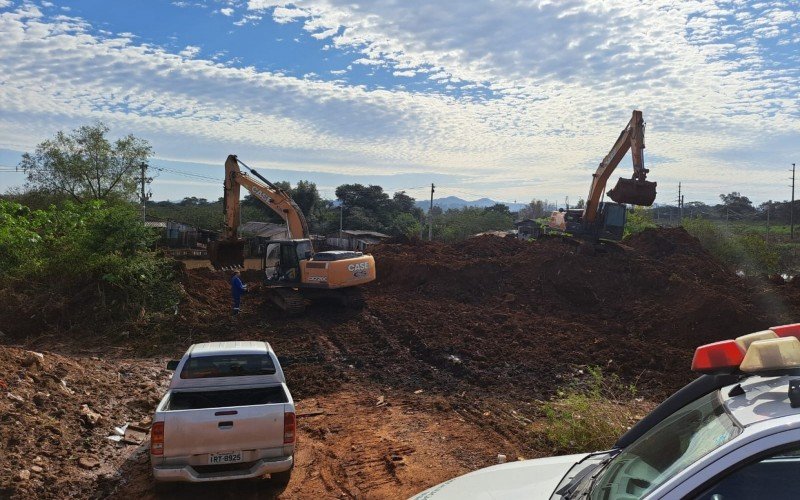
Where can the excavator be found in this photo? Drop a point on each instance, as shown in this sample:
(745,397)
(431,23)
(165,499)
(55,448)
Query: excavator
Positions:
(604,220)
(293,272)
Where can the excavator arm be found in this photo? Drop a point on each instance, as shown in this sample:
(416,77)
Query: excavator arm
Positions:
(271,195)
(636,190)
(229,251)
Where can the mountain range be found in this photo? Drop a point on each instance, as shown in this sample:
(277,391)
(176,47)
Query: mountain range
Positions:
(456,202)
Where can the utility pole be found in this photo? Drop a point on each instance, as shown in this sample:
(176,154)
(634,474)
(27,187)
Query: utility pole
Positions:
(680,202)
(143,197)
(791,207)
(430,215)
(341,221)
(767,238)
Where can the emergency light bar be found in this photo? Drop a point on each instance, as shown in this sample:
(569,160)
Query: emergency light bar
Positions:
(768,350)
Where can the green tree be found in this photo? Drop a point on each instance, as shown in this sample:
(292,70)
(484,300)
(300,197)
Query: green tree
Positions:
(84,165)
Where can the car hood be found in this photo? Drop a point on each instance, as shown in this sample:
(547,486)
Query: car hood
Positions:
(528,479)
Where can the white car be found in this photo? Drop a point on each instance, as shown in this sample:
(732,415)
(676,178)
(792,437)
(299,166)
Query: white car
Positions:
(733,433)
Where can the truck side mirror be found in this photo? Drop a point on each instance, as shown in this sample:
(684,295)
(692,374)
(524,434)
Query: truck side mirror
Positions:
(172,364)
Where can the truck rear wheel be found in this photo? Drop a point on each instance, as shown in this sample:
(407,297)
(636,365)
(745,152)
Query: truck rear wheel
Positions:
(281,478)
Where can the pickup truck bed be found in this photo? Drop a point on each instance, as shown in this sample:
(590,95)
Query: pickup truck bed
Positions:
(220,427)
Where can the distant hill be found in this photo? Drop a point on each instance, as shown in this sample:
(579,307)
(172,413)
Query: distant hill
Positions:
(456,202)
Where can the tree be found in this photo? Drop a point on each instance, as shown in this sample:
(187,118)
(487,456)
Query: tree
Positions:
(737,203)
(85,165)
(500,208)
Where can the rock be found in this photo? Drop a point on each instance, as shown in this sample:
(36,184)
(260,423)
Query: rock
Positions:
(36,469)
(145,421)
(90,417)
(24,474)
(14,397)
(88,463)
(32,357)
(40,398)
(37,459)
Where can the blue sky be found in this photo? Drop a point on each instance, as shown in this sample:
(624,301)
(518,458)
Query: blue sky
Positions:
(510,100)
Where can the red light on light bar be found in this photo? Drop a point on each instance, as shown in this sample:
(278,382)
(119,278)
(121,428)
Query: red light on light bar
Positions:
(792,330)
(720,357)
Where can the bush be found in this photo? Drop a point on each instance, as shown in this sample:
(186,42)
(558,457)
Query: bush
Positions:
(639,219)
(592,418)
(65,248)
(746,252)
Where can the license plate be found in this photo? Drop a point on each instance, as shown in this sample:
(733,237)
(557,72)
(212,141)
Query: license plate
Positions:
(230,457)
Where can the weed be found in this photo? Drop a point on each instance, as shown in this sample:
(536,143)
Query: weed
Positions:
(593,417)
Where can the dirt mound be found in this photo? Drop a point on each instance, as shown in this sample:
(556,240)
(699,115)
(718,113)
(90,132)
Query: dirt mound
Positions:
(57,413)
(536,308)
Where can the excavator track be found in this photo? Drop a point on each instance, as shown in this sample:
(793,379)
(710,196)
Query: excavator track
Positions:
(352,298)
(289,300)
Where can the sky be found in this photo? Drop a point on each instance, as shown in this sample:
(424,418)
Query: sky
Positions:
(511,100)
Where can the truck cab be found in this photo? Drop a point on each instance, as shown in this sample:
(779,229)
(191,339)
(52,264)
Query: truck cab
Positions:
(733,433)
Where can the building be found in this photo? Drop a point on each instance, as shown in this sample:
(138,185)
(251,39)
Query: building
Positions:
(259,233)
(528,229)
(352,239)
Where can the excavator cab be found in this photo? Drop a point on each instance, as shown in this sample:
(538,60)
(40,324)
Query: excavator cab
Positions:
(634,192)
(281,260)
(226,254)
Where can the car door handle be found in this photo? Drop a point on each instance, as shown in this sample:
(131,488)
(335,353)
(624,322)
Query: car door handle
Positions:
(225,425)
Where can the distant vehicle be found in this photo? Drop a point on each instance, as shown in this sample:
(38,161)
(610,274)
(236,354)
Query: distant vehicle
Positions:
(228,414)
(733,433)
(293,273)
(606,220)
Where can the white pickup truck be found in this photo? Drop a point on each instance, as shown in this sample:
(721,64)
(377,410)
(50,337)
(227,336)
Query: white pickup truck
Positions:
(733,433)
(227,415)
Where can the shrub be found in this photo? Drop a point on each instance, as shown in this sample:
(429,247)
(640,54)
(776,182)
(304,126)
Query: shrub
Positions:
(747,252)
(67,247)
(592,418)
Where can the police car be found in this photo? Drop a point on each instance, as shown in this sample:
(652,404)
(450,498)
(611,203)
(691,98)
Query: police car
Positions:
(733,433)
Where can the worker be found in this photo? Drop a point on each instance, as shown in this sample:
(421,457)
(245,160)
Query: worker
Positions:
(237,290)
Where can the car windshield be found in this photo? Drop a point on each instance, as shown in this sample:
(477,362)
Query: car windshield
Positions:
(665,450)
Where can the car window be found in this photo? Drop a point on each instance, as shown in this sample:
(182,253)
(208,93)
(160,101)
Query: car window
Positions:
(235,365)
(665,450)
(769,477)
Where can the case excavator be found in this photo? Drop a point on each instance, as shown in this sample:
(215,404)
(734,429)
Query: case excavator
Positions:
(293,272)
(604,220)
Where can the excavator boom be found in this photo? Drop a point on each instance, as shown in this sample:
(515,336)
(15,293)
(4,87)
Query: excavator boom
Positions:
(635,191)
(229,251)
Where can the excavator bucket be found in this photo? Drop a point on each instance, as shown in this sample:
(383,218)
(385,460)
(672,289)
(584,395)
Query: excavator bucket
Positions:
(226,254)
(634,192)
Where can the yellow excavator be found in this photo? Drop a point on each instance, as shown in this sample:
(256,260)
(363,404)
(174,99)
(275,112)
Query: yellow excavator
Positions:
(293,272)
(599,219)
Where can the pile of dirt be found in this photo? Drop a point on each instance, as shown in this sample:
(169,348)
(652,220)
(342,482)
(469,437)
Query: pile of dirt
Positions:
(57,413)
(526,313)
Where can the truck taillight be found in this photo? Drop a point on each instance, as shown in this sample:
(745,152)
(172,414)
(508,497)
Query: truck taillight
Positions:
(289,427)
(157,439)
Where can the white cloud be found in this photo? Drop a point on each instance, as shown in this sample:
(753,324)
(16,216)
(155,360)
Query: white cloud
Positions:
(190,51)
(227,11)
(283,15)
(549,85)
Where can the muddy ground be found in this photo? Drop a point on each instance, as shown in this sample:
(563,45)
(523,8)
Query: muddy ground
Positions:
(444,369)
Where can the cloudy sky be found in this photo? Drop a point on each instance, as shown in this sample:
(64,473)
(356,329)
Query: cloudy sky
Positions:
(507,99)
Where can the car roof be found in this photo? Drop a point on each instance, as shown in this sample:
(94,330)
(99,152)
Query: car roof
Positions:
(764,398)
(229,347)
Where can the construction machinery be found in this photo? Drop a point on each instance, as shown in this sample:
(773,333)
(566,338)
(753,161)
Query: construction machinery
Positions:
(600,219)
(293,272)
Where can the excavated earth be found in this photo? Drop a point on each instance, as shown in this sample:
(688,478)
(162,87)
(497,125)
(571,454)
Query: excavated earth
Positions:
(445,367)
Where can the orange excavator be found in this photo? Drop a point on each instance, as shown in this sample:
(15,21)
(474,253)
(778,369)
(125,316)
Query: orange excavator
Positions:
(605,220)
(293,272)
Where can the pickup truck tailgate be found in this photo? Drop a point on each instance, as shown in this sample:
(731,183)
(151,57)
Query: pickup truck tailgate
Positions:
(222,429)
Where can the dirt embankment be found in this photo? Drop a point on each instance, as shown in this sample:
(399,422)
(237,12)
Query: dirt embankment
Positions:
(474,334)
